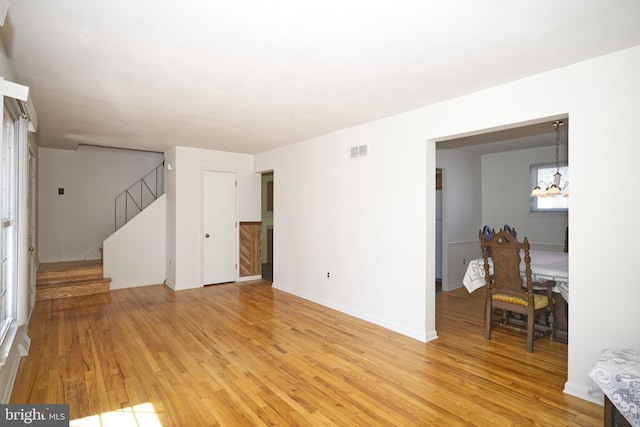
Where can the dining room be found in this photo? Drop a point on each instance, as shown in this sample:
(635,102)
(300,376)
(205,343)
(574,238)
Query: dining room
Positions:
(487,180)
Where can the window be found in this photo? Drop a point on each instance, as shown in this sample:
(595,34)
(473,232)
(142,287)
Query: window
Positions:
(543,175)
(8,226)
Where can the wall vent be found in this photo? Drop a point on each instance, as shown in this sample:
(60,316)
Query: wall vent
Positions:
(359,151)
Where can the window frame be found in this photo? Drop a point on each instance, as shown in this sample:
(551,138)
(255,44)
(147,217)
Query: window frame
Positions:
(9,188)
(534,169)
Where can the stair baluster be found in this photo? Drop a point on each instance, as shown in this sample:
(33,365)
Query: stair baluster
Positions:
(139,195)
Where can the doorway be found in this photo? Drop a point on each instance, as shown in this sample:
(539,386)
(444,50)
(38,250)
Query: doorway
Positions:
(267,226)
(438,229)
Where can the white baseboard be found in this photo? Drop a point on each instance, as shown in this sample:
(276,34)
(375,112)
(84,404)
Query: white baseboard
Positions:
(584,393)
(417,335)
(430,336)
(9,370)
(24,345)
(452,287)
(249,278)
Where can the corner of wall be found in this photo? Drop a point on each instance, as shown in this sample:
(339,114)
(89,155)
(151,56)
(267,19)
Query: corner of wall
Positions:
(584,393)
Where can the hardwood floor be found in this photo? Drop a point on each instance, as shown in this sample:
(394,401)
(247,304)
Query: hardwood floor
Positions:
(70,279)
(248,354)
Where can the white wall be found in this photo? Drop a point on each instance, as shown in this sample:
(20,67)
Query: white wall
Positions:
(371,223)
(505,197)
(6,71)
(184,205)
(362,220)
(171,208)
(462,201)
(72,226)
(135,254)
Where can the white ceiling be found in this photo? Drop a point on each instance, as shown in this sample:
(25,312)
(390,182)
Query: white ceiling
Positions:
(250,75)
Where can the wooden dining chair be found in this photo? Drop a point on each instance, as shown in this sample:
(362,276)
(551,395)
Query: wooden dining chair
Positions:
(488,232)
(511,230)
(509,291)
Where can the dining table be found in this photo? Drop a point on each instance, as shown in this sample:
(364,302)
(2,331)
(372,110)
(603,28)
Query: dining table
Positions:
(545,265)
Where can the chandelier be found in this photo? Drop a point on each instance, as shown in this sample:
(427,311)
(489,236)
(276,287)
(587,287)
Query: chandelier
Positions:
(553,188)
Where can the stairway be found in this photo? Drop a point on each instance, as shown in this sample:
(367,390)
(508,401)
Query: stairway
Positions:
(70,279)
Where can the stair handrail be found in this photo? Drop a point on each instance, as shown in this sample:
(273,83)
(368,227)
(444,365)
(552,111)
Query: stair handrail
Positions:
(129,197)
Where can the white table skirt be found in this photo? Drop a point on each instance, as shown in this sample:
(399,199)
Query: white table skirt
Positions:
(545,265)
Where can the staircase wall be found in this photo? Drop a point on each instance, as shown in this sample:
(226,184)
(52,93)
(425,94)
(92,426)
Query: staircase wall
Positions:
(72,225)
(135,254)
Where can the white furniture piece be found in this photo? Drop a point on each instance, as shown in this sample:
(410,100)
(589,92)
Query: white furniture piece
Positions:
(617,374)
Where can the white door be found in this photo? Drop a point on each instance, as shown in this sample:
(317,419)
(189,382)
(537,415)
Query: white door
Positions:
(220,232)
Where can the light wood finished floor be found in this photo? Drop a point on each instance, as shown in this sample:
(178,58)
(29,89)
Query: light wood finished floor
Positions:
(66,265)
(248,354)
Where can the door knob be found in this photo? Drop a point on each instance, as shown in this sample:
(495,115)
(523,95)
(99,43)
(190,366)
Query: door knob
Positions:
(32,249)
(206,235)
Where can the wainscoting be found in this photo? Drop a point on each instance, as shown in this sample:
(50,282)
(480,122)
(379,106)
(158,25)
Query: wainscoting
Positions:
(250,249)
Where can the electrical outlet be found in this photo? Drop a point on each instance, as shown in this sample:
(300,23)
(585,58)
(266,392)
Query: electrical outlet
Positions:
(328,275)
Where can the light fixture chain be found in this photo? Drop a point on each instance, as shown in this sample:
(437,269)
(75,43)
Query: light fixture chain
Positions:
(555,187)
(557,124)
(558,148)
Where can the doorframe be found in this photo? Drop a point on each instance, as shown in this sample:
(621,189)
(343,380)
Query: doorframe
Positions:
(203,171)
(444,255)
(444,260)
(267,220)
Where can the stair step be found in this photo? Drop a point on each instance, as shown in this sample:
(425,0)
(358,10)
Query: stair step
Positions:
(70,279)
(72,289)
(58,272)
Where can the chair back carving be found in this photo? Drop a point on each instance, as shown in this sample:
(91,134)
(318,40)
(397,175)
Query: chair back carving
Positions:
(487,233)
(505,253)
(511,230)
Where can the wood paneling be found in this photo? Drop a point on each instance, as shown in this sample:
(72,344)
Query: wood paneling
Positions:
(248,354)
(250,249)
